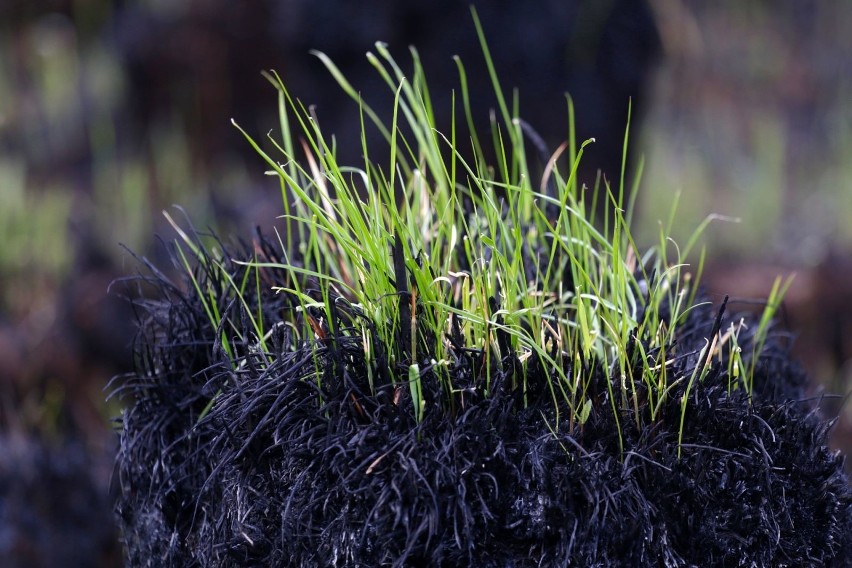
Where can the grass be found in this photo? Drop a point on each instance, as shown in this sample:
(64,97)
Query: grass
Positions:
(29,222)
(76,178)
(726,128)
(438,252)
(70,172)
(447,359)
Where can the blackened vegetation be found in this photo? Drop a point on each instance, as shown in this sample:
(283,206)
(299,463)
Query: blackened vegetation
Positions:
(300,461)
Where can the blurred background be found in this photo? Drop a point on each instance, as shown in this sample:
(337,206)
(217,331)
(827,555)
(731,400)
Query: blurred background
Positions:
(112,110)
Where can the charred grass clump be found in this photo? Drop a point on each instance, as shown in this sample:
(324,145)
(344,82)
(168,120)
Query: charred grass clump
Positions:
(445,362)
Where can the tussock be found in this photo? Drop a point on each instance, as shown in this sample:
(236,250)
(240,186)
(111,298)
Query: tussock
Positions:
(300,462)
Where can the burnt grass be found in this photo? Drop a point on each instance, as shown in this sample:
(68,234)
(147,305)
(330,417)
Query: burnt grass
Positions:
(298,462)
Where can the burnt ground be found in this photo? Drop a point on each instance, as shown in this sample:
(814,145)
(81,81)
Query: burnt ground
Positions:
(299,462)
(55,505)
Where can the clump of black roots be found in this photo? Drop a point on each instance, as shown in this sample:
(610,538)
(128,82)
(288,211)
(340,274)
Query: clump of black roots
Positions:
(299,462)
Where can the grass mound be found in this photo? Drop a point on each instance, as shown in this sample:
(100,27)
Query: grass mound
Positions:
(300,461)
(442,363)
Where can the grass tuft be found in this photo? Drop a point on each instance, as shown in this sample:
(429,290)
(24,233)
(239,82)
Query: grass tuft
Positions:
(444,360)
(438,261)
